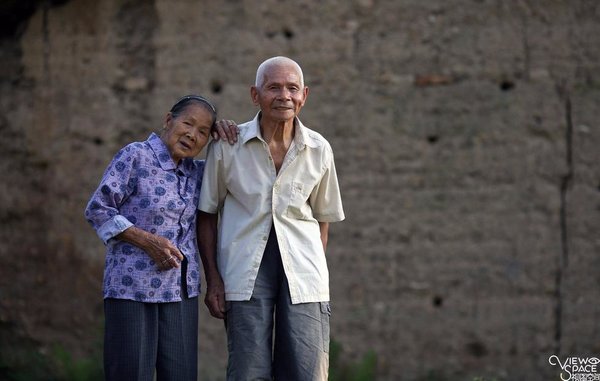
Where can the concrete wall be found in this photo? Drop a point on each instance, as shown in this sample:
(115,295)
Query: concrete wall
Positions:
(466,138)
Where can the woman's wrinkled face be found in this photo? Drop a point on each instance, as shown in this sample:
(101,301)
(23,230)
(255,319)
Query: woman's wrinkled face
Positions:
(187,133)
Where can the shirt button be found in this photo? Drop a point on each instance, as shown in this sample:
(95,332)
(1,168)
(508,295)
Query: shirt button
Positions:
(265,238)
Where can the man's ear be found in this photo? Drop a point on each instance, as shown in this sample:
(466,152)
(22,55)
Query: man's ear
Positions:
(305,95)
(254,95)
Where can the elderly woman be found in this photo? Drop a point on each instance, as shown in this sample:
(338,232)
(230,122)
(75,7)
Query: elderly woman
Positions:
(145,212)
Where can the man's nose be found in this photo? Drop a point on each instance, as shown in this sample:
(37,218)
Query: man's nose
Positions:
(285,93)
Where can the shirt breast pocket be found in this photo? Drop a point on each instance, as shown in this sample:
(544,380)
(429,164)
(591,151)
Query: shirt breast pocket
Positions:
(298,206)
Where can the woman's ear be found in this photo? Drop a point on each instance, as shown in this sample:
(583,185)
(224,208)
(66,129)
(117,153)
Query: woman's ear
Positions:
(168,119)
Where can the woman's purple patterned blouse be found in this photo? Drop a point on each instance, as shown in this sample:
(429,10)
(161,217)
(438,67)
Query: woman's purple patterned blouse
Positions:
(142,186)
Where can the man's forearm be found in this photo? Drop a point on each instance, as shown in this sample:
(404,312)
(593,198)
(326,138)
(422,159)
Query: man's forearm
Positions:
(324,228)
(207,243)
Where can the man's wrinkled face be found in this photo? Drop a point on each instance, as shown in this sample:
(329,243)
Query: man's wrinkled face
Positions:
(281,95)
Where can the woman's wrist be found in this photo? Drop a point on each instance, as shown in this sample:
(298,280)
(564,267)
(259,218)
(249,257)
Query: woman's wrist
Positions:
(136,236)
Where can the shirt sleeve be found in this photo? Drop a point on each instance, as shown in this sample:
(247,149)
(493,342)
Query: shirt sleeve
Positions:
(213,192)
(325,199)
(118,183)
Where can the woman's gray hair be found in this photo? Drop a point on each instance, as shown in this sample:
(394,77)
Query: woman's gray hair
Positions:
(185,101)
(273,61)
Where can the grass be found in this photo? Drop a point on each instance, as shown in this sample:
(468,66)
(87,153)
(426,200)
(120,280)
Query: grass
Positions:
(340,370)
(21,359)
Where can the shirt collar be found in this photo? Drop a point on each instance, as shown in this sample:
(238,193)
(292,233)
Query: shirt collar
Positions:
(301,137)
(253,131)
(164,157)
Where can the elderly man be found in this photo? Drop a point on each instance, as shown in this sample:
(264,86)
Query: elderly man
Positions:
(276,191)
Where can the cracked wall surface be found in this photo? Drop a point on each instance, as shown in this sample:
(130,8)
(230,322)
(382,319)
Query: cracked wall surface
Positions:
(466,139)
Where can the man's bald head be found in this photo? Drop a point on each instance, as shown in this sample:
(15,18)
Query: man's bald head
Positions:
(276,61)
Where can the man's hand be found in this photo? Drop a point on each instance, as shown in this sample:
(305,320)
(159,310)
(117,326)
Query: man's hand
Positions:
(226,130)
(215,296)
(207,243)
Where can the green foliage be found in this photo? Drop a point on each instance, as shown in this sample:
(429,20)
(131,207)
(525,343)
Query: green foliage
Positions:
(22,360)
(22,364)
(436,375)
(433,375)
(68,368)
(30,365)
(363,370)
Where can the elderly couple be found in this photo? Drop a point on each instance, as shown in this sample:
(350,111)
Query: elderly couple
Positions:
(258,212)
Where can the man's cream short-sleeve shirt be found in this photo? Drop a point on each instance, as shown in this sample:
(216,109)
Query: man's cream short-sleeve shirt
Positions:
(240,182)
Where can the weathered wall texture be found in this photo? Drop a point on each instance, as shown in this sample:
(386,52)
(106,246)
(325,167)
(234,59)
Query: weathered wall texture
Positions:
(466,137)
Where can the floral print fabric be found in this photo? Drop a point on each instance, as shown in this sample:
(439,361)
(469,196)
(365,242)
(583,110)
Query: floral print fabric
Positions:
(142,186)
